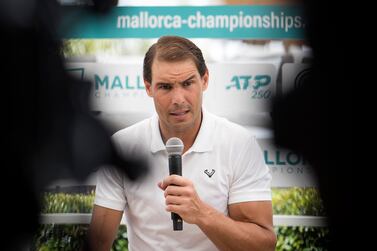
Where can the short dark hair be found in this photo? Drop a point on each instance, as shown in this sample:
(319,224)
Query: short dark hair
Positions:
(172,49)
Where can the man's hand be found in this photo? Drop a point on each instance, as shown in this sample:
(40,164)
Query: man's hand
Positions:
(181,198)
(248,226)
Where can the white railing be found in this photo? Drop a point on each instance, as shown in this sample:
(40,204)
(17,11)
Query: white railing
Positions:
(279,220)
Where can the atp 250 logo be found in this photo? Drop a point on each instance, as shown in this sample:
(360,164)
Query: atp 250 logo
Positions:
(258,84)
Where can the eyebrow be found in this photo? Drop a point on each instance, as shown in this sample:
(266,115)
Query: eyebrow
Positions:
(166,83)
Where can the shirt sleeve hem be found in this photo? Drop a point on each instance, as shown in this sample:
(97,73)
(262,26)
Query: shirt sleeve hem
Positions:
(253,195)
(109,204)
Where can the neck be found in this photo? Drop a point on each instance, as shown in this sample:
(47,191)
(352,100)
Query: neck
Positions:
(188,136)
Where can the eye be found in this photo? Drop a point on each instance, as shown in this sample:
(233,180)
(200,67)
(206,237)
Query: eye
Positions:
(164,86)
(187,83)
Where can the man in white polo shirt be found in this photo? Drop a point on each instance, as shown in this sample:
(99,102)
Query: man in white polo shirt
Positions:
(223,196)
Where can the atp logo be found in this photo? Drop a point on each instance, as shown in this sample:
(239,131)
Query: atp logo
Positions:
(258,84)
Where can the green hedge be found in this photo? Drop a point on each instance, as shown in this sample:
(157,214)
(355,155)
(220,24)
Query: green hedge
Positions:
(67,203)
(60,237)
(292,201)
(299,201)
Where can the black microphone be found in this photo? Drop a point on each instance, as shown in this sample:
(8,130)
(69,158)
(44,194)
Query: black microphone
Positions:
(174,147)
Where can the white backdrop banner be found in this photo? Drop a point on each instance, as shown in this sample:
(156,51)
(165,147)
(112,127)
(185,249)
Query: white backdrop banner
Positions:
(240,90)
(234,89)
(288,168)
(115,87)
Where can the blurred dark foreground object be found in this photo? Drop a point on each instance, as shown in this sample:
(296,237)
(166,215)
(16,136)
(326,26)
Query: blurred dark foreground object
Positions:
(315,120)
(49,132)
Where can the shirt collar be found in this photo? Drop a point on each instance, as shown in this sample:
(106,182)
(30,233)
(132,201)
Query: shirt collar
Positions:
(203,141)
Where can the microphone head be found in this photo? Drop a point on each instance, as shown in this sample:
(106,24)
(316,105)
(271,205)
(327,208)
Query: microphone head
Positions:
(174,146)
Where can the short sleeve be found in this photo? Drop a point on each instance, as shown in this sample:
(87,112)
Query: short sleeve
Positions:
(110,189)
(251,179)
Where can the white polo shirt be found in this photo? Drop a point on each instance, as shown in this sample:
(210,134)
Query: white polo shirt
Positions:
(225,164)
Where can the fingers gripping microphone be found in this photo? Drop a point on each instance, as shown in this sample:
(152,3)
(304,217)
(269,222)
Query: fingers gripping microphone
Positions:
(174,147)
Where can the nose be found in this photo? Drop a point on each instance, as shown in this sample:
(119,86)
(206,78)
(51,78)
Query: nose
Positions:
(178,96)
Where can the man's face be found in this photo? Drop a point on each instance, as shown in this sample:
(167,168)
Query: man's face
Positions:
(177,91)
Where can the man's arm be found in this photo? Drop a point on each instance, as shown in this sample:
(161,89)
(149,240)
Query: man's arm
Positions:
(103,228)
(248,227)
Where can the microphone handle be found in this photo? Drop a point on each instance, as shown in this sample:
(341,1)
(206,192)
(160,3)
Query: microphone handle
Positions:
(175,167)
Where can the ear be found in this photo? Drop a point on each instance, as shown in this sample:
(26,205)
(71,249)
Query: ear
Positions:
(148,88)
(205,80)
